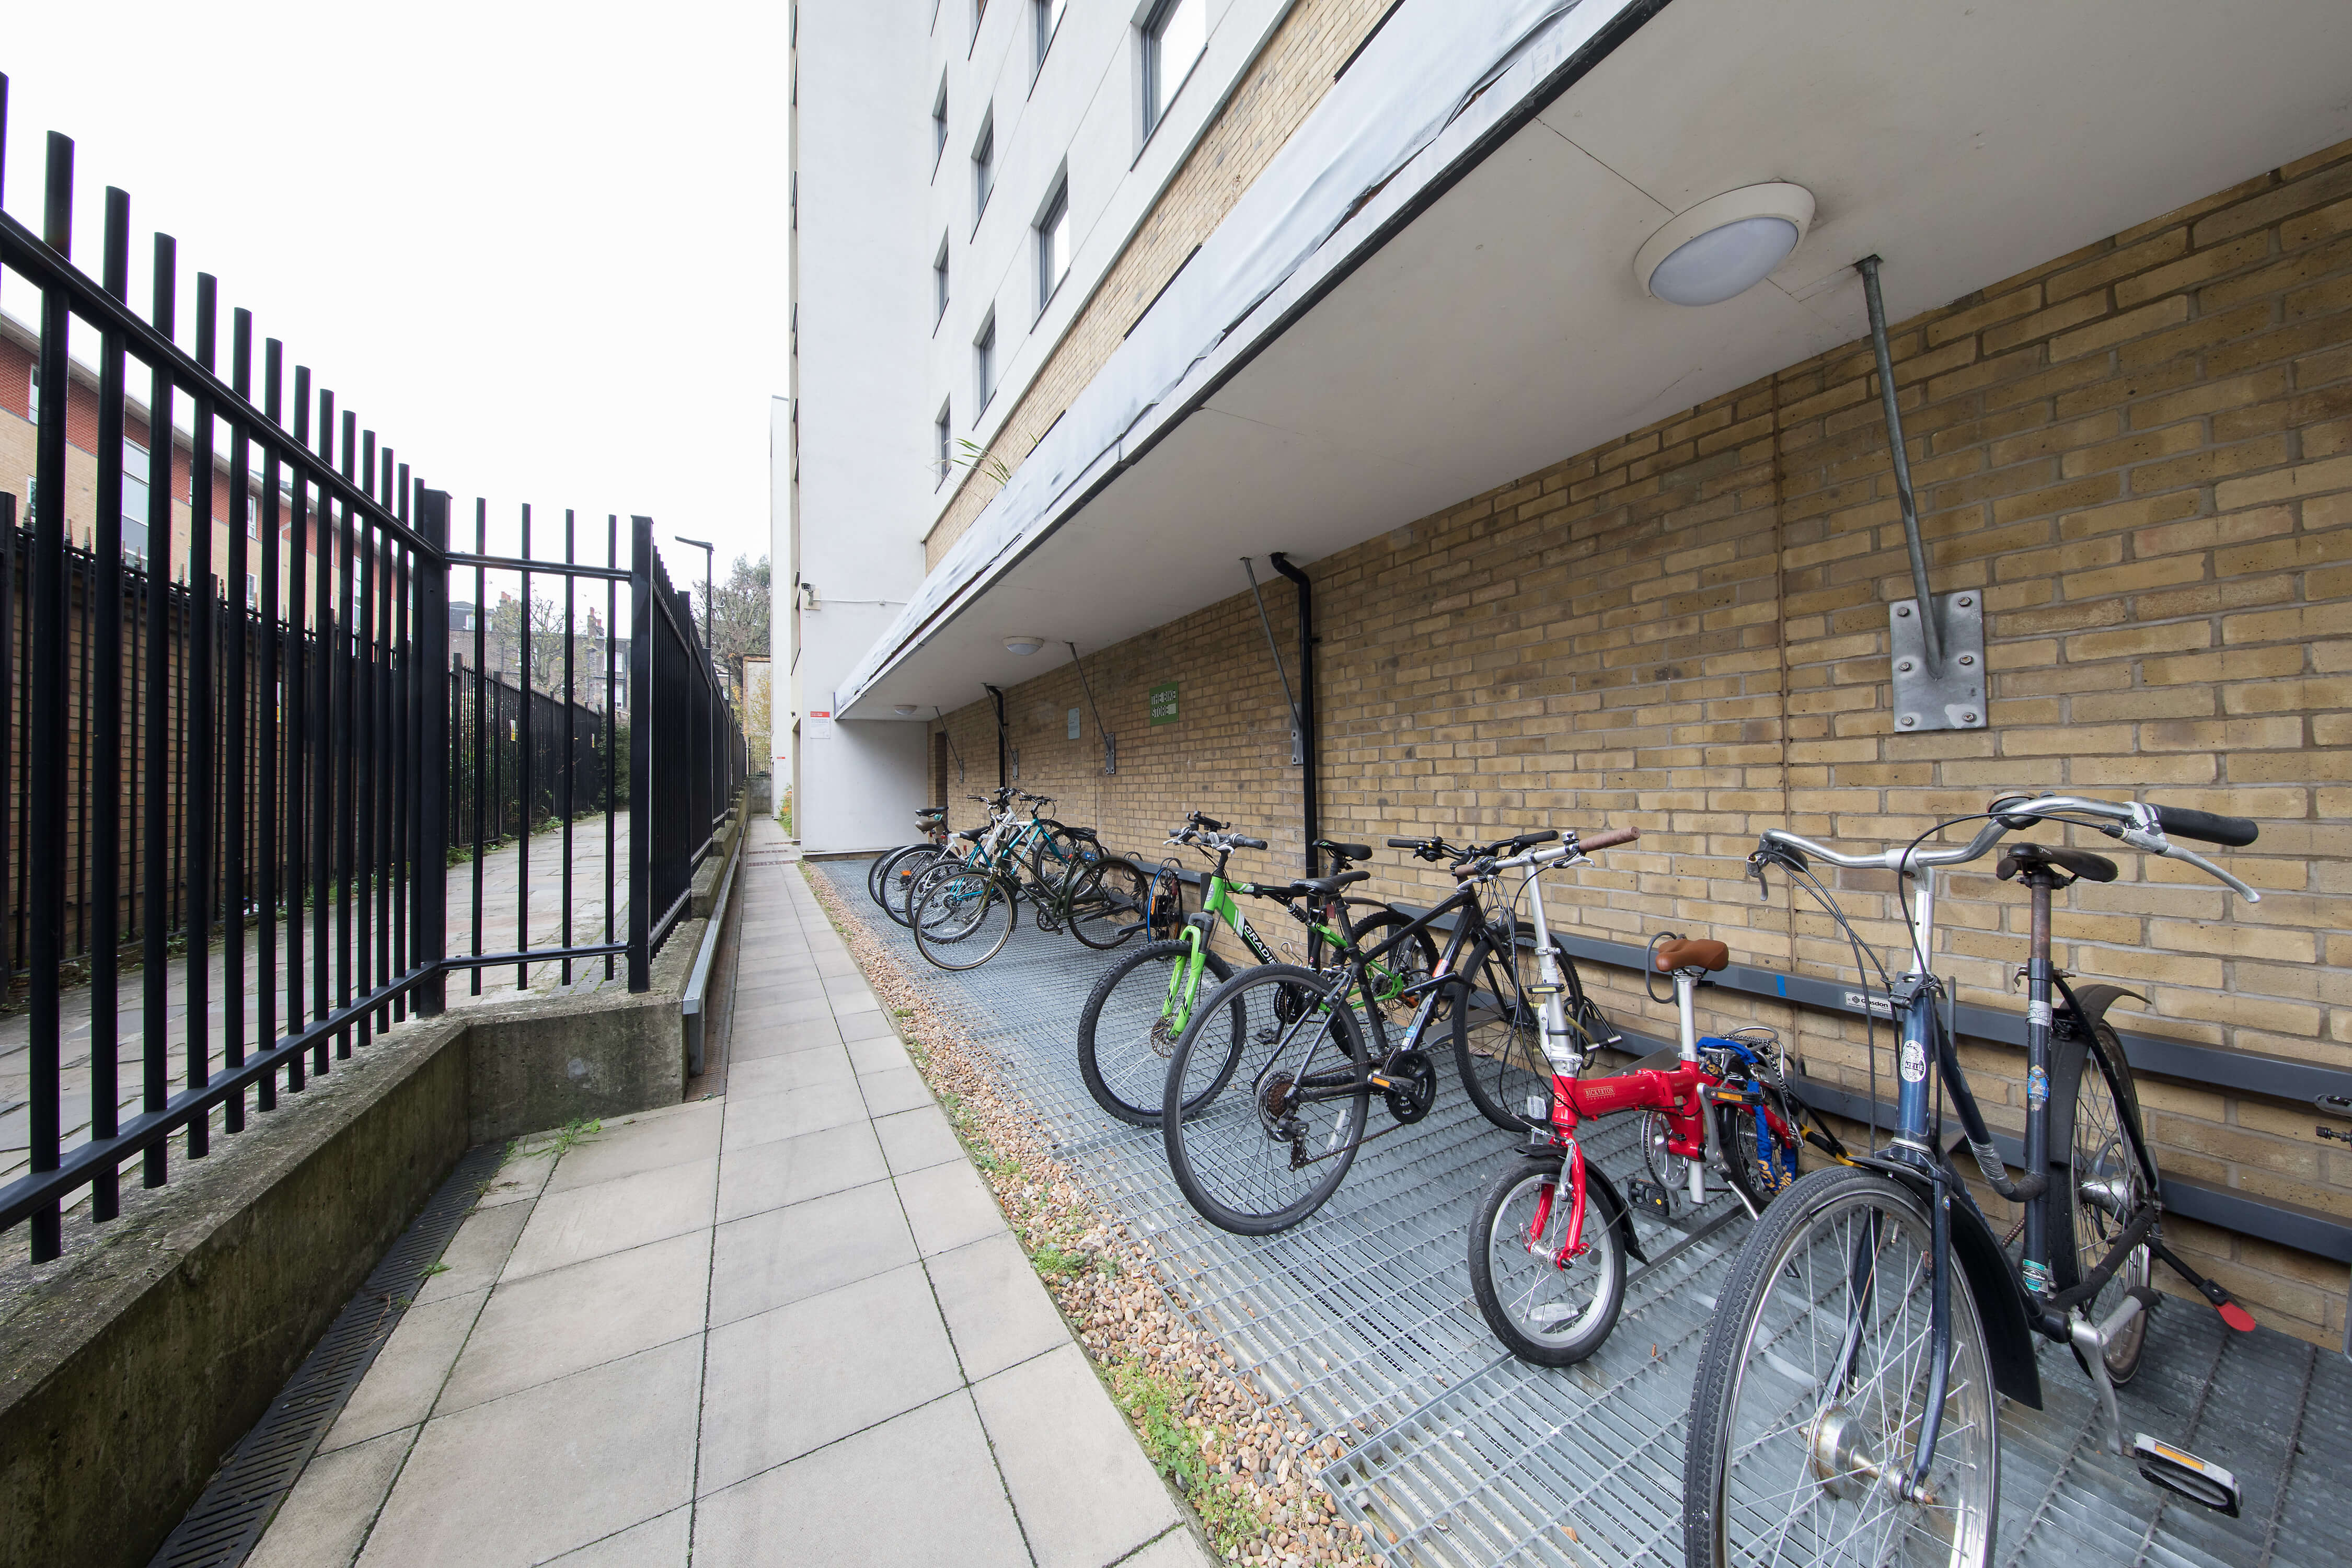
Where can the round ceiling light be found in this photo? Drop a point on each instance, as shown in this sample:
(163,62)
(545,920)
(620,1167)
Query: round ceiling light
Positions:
(1726,245)
(903,709)
(1023,647)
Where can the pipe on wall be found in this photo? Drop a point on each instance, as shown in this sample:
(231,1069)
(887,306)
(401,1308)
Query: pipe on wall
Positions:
(1310,779)
(999,696)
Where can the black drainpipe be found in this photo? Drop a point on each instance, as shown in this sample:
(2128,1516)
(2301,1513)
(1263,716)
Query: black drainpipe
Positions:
(1000,731)
(1309,784)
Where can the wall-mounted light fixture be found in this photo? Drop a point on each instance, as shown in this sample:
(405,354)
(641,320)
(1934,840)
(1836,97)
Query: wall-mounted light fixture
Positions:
(1023,647)
(1726,245)
(903,709)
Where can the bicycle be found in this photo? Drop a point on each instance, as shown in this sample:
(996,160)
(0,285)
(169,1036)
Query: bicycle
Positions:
(1548,1273)
(932,822)
(956,913)
(1145,1000)
(1843,1408)
(1258,1163)
(1045,848)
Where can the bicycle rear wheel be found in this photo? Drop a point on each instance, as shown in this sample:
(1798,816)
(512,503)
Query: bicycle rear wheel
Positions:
(1414,959)
(1129,1028)
(1281,1108)
(1107,902)
(1813,1387)
(909,879)
(896,871)
(2095,1150)
(965,919)
(1165,903)
(1496,1047)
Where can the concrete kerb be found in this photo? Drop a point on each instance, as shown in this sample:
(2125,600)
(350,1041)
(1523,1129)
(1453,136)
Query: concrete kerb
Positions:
(136,1362)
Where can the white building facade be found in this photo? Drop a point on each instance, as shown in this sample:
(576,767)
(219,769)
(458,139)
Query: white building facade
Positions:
(964,174)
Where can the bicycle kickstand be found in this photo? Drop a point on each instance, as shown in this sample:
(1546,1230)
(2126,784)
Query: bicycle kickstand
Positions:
(2237,1317)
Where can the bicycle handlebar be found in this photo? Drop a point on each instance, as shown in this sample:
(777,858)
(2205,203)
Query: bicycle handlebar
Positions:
(2141,827)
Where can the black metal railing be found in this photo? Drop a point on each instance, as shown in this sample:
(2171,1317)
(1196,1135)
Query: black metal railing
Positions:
(252,788)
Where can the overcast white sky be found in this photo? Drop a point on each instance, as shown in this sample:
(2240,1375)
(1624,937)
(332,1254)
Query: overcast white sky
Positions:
(540,249)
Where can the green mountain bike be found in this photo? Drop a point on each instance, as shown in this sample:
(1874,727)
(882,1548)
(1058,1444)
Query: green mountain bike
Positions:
(1137,1009)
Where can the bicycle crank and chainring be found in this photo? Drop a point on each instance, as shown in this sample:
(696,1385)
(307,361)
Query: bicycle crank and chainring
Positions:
(1409,1085)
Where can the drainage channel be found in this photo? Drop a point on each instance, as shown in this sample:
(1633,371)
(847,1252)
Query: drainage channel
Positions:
(1361,1320)
(227,1520)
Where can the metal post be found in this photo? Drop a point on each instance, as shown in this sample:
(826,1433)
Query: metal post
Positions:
(1868,266)
(1309,782)
(1298,738)
(641,752)
(1109,741)
(709,554)
(428,902)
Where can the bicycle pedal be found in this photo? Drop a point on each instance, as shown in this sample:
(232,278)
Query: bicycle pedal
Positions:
(2201,1481)
(1649,1196)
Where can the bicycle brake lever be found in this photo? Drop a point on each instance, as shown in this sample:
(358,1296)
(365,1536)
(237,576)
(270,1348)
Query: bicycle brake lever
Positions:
(2157,843)
(1756,870)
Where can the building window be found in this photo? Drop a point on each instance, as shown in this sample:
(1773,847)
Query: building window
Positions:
(1054,243)
(252,516)
(940,461)
(1173,37)
(1049,20)
(134,503)
(940,282)
(32,399)
(940,124)
(983,361)
(983,167)
(252,590)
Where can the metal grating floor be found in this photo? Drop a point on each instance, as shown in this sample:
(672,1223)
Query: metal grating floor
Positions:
(1360,1319)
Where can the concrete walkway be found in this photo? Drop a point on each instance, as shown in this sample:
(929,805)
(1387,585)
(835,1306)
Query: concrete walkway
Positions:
(783,1326)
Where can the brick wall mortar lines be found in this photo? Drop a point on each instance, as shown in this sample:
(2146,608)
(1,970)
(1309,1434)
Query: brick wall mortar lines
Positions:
(1686,628)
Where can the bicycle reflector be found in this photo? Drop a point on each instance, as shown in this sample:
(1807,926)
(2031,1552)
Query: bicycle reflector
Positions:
(2201,1481)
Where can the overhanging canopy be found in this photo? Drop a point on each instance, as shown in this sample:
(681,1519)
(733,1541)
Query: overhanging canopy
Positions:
(1478,318)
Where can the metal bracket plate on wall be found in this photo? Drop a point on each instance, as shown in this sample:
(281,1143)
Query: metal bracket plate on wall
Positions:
(1954,697)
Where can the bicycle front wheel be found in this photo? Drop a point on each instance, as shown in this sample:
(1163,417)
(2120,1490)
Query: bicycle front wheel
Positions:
(1129,1028)
(2095,1150)
(1549,1314)
(1107,902)
(1496,1048)
(904,880)
(1280,1107)
(1812,1388)
(965,919)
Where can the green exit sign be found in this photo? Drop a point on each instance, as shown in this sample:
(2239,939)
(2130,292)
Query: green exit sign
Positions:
(1163,703)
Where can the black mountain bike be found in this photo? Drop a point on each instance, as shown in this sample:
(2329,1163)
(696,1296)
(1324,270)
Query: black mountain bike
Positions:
(1277,1078)
(1843,1410)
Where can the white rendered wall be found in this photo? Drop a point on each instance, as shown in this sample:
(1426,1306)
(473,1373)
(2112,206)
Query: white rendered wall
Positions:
(1081,110)
(861,285)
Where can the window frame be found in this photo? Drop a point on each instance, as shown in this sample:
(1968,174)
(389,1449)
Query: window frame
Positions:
(983,167)
(985,367)
(940,126)
(1153,30)
(1049,15)
(1055,213)
(943,433)
(940,283)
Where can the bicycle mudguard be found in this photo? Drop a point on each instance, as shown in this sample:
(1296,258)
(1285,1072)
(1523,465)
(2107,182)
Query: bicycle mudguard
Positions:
(1594,1176)
(2000,1305)
(2090,1004)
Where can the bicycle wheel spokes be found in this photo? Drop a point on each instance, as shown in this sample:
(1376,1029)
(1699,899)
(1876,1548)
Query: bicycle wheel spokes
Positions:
(1824,1389)
(1107,903)
(1552,1314)
(1274,1112)
(1496,1048)
(964,919)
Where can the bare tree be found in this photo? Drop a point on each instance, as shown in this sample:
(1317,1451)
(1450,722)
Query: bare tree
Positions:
(739,619)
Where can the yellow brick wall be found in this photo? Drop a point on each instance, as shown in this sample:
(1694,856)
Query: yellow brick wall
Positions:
(2140,454)
(1289,77)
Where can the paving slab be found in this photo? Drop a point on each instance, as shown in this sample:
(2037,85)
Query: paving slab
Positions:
(795,1379)
(776,1074)
(794,1170)
(477,1253)
(757,1035)
(649,1143)
(764,1118)
(785,1255)
(921,1490)
(658,1543)
(876,1029)
(917,1139)
(949,1206)
(547,1326)
(1083,1489)
(894,1089)
(408,1373)
(520,1479)
(997,1311)
(324,1521)
(611,1216)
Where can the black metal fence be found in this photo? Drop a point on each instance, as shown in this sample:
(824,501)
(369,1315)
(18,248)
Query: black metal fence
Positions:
(277,772)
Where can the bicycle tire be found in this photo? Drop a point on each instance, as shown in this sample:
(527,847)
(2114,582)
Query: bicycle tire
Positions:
(1105,901)
(1222,1155)
(879,884)
(1498,1237)
(1050,853)
(1416,959)
(970,936)
(1129,1007)
(906,884)
(874,873)
(1736,1133)
(1823,1228)
(1496,1047)
(1164,904)
(2092,1159)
